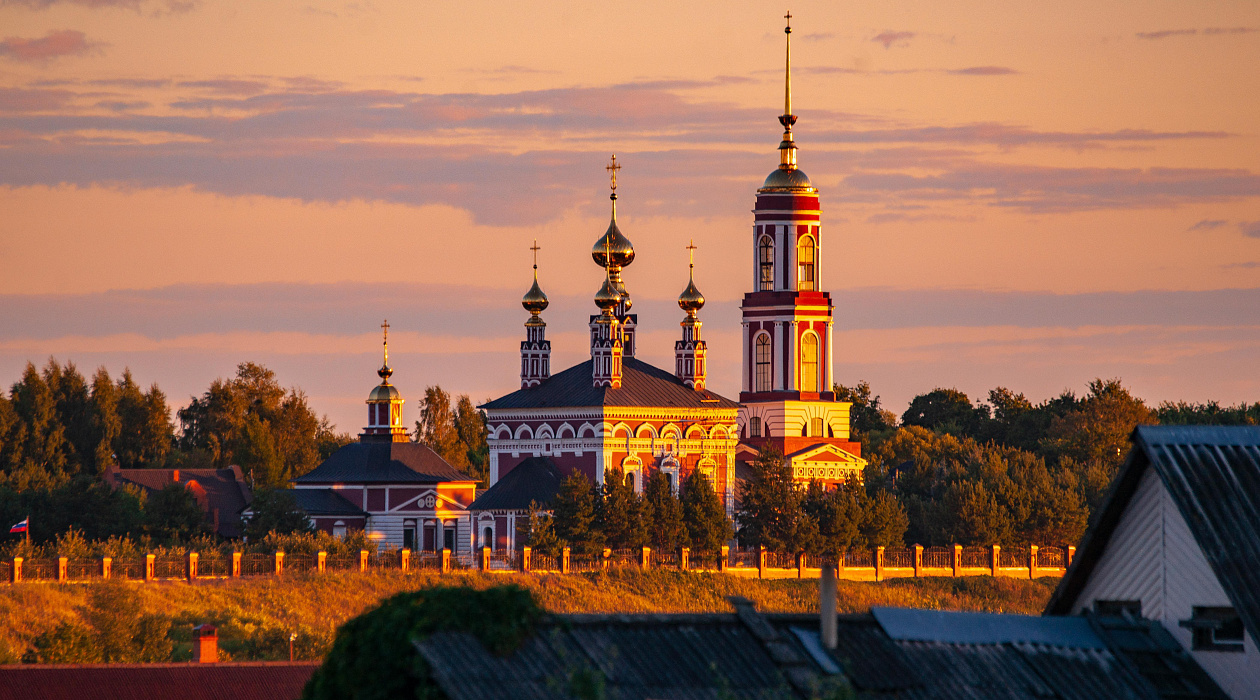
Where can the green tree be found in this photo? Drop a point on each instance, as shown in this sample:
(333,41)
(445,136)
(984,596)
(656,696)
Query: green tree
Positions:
(573,516)
(838,515)
(884,520)
(40,438)
(456,432)
(275,511)
(620,513)
(470,425)
(1210,413)
(67,643)
(106,423)
(703,515)
(539,533)
(123,634)
(771,513)
(174,514)
(255,451)
(663,514)
(866,415)
(146,434)
(947,411)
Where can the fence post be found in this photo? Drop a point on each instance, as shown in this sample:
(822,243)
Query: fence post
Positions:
(321,562)
(17,569)
(525,558)
(879,563)
(684,555)
(236,564)
(446,560)
(605,556)
(918,560)
(1071,554)
(997,560)
(150,568)
(107,563)
(645,558)
(761,561)
(842,556)
(63,569)
(724,558)
(958,560)
(564,560)
(801,563)
(485,558)
(363,561)
(404,559)
(279,563)
(192,566)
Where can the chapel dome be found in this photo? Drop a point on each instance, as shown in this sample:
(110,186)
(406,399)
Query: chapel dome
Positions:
(613,247)
(788,180)
(383,393)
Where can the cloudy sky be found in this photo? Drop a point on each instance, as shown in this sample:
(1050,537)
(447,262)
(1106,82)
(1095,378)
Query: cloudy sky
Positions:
(1018,194)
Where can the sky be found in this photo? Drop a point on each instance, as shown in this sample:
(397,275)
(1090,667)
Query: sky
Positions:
(1027,195)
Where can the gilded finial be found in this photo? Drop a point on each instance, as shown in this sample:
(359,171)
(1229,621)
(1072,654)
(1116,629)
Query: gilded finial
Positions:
(691,300)
(787,147)
(384,372)
(613,247)
(787,87)
(534,300)
(612,167)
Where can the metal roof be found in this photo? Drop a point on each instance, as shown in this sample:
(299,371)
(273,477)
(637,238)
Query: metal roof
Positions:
(324,502)
(383,463)
(221,681)
(1212,474)
(224,489)
(953,627)
(641,385)
(536,480)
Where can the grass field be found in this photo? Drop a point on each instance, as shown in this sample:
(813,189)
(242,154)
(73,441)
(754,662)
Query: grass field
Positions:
(256,616)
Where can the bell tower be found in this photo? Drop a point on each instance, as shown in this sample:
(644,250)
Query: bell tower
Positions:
(689,353)
(385,422)
(535,349)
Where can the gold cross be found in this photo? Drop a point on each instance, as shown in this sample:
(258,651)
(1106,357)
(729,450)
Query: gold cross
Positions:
(535,248)
(385,327)
(691,250)
(788,17)
(613,167)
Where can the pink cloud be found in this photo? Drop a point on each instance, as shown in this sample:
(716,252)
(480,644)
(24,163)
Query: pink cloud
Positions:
(1250,229)
(984,70)
(889,37)
(1208,225)
(62,42)
(1165,33)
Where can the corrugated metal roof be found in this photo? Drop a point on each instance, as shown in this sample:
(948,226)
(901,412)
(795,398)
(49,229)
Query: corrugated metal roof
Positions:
(323,502)
(1212,474)
(641,385)
(383,463)
(955,627)
(226,681)
(536,480)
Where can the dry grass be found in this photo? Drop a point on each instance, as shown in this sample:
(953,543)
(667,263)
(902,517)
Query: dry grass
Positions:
(255,616)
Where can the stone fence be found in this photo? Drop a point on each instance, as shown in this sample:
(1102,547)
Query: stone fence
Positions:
(875,564)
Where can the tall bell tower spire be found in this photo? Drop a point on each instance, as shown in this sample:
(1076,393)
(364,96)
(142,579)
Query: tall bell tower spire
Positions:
(535,349)
(689,353)
(384,403)
(787,147)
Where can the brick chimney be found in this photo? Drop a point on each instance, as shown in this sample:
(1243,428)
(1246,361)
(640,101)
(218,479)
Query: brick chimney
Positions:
(205,644)
(175,475)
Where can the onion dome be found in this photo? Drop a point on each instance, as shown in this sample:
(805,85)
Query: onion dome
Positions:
(613,248)
(607,296)
(534,300)
(691,300)
(788,180)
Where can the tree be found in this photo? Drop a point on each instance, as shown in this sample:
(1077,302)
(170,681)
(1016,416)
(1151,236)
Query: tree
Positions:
(620,513)
(838,515)
(1210,413)
(663,514)
(123,634)
(456,433)
(106,424)
(173,513)
(146,434)
(770,507)
(865,415)
(275,511)
(947,411)
(703,515)
(539,533)
(574,516)
(470,425)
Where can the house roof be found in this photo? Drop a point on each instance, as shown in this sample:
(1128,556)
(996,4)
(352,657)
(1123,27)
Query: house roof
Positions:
(225,681)
(536,480)
(641,385)
(324,502)
(911,654)
(222,489)
(1212,474)
(383,463)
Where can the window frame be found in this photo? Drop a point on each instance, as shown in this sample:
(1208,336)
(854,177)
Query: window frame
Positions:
(804,282)
(763,382)
(765,263)
(1208,622)
(810,339)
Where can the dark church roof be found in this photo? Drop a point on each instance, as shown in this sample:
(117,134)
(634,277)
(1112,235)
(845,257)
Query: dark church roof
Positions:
(641,385)
(536,480)
(383,463)
(324,502)
(1212,474)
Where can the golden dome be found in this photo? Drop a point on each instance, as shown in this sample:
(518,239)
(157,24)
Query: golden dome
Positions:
(607,296)
(383,394)
(785,180)
(613,246)
(691,300)
(534,300)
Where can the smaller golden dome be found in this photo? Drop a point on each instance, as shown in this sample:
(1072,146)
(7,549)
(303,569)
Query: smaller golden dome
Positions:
(691,300)
(534,300)
(788,180)
(383,394)
(607,296)
(385,372)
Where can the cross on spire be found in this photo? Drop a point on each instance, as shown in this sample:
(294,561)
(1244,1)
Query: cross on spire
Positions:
(535,248)
(612,167)
(691,252)
(385,343)
(788,17)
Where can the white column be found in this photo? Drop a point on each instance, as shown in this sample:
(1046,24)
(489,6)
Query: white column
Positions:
(777,361)
(749,360)
(494,466)
(782,268)
(789,238)
(818,258)
(793,352)
(830,356)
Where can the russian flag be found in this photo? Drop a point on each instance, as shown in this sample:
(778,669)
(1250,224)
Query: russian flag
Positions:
(20,527)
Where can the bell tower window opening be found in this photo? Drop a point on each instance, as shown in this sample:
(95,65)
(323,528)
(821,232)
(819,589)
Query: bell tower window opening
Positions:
(805,253)
(816,427)
(754,427)
(765,264)
(809,362)
(763,362)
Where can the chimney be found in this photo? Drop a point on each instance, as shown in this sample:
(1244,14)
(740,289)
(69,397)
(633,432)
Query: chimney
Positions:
(205,644)
(827,606)
(175,475)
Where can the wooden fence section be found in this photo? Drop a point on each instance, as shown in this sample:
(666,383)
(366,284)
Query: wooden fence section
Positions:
(876,564)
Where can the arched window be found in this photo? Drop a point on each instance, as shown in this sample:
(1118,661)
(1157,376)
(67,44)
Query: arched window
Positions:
(763,362)
(630,481)
(765,264)
(816,427)
(809,362)
(487,537)
(805,252)
(754,426)
(339,529)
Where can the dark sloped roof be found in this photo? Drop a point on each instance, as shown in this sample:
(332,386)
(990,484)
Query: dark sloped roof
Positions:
(324,502)
(224,489)
(1212,474)
(641,385)
(383,463)
(536,480)
(225,681)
